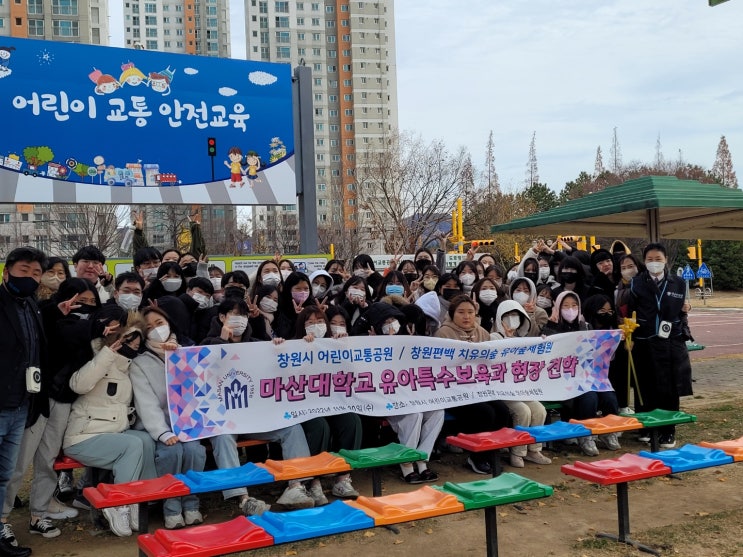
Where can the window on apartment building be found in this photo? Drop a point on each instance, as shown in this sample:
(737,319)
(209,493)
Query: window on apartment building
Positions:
(35,27)
(300,36)
(347,83)
(332,54)
(331,38)
(334,127)
(2,21)
(300,21)
(150,20)
(349,112)
(62,28)
(316,36)
(316,52)
(347,97)
(318,112)
(321,187)
(336,158)
(321,172)
(300,6)
(319,141)
(283,52)
(301,51)
(167,44)
(263,22)
(330,24)
(264,37)
(282,36)
(316,67)
(150,32)
(347,52)
(35,7)
(319,157)
(282,7)
(263,7)
(349,127)
(344,23)
(332,69)
(315,6)
(151,45)
(335,172)
(319,127)
(333,98)
(265,54)
(318,82)
(315,21)
(150,8)
(334,143)
(282,21)
(4,218)
(64,7)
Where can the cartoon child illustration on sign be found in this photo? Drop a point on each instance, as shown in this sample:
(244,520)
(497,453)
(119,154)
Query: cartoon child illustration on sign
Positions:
(254,164)
(235,165)
(5,52)
(131,75)
(160,81)
(105,84)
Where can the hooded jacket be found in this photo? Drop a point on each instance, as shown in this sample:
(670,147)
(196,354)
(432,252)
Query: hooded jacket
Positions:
(524,327)
(538,317)
(557,324)
(375,316)
(453,331)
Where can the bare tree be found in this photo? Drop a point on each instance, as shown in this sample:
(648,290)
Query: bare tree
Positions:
(346,241)
(723,170)
(491,176)
(660,162)
(406,191)
(69,227)
(532,171)
(615,154)
(598,167)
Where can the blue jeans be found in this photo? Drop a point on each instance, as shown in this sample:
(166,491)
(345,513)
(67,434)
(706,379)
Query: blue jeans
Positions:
(12,425)
(177,459)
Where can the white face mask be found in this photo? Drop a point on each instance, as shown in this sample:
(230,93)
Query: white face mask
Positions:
(216,283)
(150,273)
(487,297)
(511,322)
(172,284)
(203,301)
(468,279)
(271,279)
(391,328)
(362,272)
(569,314)
(238,324)
(317,330)
(129,302)
(629,274)
(52,282)
(544,302)
(318,290)
(356,293)
(521,297)
(544,273)
(285,273)
(268,305)
(655,267)
(338,330)
(159,334)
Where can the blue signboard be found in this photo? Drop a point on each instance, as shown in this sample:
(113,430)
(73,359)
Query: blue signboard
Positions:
(688,273)
(704,272)
(98,124)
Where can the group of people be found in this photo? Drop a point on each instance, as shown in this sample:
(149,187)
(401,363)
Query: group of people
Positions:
(85,373)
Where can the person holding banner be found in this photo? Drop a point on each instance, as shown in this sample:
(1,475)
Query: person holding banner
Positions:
(231,325)
(513,321)
(461,324)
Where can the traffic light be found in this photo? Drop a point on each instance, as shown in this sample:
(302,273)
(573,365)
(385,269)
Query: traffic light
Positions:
(211,145)
(691,252)
(477,243)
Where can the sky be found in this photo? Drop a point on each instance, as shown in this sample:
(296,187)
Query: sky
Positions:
(571,71)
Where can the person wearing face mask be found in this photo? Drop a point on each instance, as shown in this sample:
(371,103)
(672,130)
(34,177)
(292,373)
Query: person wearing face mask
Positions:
(529,268)
(65,318)
(331,433)
(295,295)
(169,281)
(151,402)
(363,266)
(659,349)
(353,298)
(231,326)
(128,291)
(198,304)
(267,300)
(523,291)
(512,321)
(23,345)
(268,273)
(340,322)
(427,283)
(467,274)
(447,287)
(394,287)
(544,297)
(409,271)
(461,324)
(55,271)
(146,261)
(571,276)
(189,262)
(286,267)
(98,433)
(629,267)
(337,271)
(488,297)
(423,258)
(321,282)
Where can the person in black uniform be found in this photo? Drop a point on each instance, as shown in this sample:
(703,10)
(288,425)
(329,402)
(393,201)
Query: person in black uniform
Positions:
(659,351)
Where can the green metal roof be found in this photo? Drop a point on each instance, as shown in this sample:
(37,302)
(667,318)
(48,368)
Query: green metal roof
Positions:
(652,207)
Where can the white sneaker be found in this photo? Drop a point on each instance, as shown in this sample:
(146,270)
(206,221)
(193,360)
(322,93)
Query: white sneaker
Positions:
(8,535)
(537,457)
(609,441)
(626,411)
(516,461)
(118,520)
(134,517)
(59,511)
(193,518)
(317,494)
(343,489)
(588,445)
(174,521)
(296,497)
(250,506)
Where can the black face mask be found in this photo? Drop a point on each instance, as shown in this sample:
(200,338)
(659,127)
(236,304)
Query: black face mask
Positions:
(410,277)
(128,352)
(189,270)
(606,320)
(449,293)
(21,287)
(421,264)
(568,278)
(337,278)
(234,292)
(532,277)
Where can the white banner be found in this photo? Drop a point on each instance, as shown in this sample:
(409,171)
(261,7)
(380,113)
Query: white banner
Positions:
(258,386)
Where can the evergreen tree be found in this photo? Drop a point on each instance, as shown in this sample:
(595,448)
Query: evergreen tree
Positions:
(660,162)
(723,170)
(532,172)
(598,167)
(725,259)
(615,155)
(491,176)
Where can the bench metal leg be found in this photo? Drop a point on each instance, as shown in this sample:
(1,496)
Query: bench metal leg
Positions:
(654,440)
(377,492)
(491,531)
(496,468)
(144,518)
(623,518)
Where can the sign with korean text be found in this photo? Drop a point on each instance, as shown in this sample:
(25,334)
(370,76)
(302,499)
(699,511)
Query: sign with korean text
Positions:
(93,124)
(258,386)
